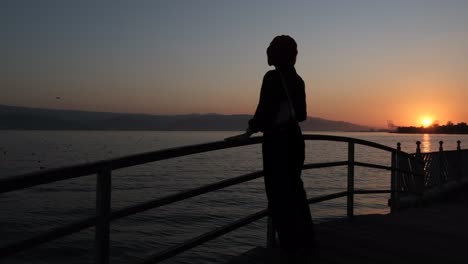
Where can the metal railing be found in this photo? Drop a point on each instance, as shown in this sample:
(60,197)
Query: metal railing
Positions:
(104,213)
(441,172)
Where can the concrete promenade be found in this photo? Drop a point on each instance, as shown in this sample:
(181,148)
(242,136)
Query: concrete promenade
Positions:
(431,233)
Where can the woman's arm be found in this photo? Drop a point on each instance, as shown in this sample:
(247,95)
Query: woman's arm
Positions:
(263,116)
(300,103)
(261,119)
(241,137)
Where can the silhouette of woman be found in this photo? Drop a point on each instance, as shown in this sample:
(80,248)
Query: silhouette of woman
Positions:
(282,105)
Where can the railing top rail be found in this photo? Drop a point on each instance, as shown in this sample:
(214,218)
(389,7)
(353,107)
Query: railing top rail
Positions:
(349,140)
(52,175)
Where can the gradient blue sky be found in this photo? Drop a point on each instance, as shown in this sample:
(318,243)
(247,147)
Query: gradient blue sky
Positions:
(362,61)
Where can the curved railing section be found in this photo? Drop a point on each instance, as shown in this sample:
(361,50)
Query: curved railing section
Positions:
(401,175)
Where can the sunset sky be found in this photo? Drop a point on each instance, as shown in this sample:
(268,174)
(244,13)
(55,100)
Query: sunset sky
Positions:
(364,62)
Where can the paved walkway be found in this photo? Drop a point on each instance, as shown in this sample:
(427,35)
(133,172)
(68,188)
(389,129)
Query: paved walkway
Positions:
(435,233)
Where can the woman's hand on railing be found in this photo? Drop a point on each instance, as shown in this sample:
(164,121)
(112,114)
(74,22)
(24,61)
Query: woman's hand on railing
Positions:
(241,137)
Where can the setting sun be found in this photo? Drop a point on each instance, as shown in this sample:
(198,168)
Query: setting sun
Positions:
(427,122)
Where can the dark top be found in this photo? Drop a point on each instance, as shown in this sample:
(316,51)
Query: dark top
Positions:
(272,94)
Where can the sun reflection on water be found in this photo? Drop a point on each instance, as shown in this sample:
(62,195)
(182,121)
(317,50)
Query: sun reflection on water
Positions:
(426,143)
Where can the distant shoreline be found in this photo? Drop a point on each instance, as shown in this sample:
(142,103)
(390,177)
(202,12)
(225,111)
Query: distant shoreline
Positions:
(239,131)
(148,130)
(434,133)
(449,128)
(24,118)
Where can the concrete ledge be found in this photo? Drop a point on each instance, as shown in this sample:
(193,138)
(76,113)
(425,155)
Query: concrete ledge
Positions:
(434,194)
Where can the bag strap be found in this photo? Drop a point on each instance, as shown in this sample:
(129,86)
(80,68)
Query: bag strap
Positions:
(291,108)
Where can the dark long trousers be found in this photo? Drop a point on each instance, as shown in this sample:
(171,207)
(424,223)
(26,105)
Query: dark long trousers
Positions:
(283,158)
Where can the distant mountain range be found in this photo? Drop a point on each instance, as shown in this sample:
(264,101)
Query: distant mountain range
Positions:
(14,117)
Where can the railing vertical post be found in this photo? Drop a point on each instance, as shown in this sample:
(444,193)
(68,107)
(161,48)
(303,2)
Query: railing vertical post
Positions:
(459,161)
(271,233)
(442,177)
(394,180)
(350,203)
(418,170)
(103,200)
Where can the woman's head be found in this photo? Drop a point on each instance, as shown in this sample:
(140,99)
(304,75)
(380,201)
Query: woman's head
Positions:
(282,51)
